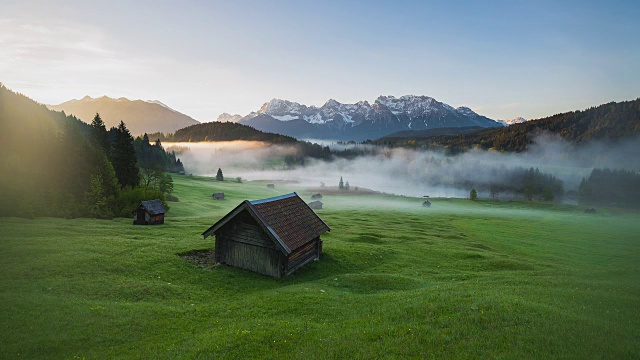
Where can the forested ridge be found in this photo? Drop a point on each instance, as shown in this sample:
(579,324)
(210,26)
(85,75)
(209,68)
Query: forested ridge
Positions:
(222,131)
(52,164)
(226,131)
(609,122)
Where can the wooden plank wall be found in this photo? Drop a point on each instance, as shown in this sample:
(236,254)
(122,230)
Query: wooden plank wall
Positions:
(251,257)
(244,244)
(303,254)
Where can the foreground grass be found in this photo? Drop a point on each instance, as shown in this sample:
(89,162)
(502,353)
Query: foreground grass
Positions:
(459,280)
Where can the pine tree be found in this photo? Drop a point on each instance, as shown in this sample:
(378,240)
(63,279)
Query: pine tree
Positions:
(341,184)
(123,157)
(99,134)
(219,175)
(346,186)
(473,195)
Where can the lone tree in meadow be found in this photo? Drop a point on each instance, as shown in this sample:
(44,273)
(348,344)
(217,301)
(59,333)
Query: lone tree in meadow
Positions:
(219,175)
(346,186)
(341,184)
(473,195)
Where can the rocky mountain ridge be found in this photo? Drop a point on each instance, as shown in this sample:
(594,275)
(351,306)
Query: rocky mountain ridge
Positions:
(362,120)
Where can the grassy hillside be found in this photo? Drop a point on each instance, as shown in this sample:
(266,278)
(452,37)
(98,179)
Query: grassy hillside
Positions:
(461,279)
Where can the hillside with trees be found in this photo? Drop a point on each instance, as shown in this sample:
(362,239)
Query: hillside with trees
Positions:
(222,131)
(227,131)
(55,165)
(610,122)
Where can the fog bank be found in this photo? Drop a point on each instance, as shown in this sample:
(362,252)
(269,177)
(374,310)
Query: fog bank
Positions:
(407,171)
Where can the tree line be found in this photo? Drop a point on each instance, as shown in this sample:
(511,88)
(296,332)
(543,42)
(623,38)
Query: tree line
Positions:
(606,187)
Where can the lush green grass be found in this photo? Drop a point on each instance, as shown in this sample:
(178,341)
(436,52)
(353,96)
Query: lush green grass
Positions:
(459,280)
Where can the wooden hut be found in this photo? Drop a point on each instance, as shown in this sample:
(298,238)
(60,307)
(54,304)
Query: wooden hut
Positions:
(315,205)
(427,203)
(150,212)
(273,236)
(218,196)
(271,186)
(316,197)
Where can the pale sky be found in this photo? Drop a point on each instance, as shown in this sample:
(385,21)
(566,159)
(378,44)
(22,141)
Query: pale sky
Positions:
(501,58)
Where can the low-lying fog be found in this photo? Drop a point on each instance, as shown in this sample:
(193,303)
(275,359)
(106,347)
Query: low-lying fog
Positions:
(405,171)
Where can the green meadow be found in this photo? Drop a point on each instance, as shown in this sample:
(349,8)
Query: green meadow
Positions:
(462,279)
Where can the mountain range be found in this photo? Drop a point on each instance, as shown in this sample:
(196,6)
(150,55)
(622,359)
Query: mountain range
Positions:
(362,120)
(140,116)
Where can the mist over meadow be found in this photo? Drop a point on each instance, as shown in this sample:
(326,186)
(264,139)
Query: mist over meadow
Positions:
(407,171)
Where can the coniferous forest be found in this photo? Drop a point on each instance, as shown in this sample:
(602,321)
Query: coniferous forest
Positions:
(55,165)
(608,187)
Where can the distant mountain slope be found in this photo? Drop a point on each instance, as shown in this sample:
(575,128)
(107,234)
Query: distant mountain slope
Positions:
(139,116)
(226,117)
(361,120)
(610,122)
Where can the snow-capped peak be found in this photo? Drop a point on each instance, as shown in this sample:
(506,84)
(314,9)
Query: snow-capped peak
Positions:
(412,105)
(331,103)
(280,107)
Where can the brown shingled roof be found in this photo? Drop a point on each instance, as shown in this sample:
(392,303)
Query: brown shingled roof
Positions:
(287,219)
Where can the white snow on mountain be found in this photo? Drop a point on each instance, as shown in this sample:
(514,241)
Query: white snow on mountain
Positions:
(386,112)
(285,117)
(518,120)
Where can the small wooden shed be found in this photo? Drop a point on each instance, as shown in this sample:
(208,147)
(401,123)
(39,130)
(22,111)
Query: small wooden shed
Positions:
(315,205)
(271,186)
(273,236)
(218,196)
(150,212)
(316,197)
(427,203)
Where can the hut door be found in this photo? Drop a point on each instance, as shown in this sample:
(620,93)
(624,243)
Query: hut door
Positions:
(141,219)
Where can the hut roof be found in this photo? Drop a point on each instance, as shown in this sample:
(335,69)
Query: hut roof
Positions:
(315,202)
(287,219)
(153,207)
